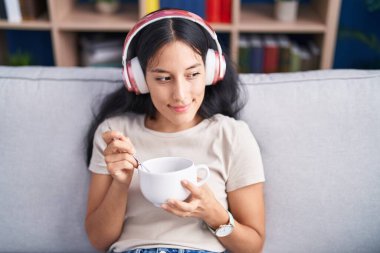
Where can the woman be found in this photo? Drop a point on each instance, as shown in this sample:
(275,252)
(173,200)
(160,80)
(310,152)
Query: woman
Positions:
(168,110)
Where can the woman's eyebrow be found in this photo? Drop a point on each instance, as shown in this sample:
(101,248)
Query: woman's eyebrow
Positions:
(159,70)
(194,66)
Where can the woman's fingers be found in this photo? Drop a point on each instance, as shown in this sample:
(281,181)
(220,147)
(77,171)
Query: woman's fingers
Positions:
(120,157)
(171,207)
(195,191)
(114,167)
(119,146)
(109,136)
(183,207)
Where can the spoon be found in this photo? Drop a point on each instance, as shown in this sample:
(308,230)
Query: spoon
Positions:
(144,168)
(139,164)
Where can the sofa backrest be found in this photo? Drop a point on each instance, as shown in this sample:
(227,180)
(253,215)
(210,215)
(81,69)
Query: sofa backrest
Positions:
(319,134)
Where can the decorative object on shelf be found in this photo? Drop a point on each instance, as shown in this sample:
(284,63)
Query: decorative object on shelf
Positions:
(20,59)
(107,6)
(286,10)
(100,50)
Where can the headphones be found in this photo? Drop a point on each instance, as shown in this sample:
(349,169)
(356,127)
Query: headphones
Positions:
(133,74)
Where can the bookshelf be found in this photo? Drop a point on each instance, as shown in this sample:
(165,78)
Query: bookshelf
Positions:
(66,19)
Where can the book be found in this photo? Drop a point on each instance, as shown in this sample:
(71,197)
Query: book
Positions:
(257,54)
(12,8)
(195,6)
(244,55)
(32,9)
(271,53)
(225,11)
(3,12)
(284,54)
(177,4)
(151,6)
(295,57)
(213,10)
(165,4)
(305,61)
(315,53)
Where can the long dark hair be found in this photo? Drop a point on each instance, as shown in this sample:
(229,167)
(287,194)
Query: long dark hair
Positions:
(225,97)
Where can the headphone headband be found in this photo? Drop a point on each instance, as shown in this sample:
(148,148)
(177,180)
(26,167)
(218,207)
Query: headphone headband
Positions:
(164,14)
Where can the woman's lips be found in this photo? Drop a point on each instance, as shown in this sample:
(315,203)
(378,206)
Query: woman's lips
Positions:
(180,108)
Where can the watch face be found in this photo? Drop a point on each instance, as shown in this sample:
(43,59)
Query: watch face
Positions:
(224,230)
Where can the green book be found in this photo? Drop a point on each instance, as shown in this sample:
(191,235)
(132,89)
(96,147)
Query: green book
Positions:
(244,55)
(295,58)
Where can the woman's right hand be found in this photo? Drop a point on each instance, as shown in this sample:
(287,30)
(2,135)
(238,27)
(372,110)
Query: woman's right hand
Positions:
(118,156)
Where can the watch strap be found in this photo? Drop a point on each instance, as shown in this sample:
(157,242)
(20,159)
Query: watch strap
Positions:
(231,222)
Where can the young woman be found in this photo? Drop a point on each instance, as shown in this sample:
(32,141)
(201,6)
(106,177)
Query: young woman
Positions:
(168,109)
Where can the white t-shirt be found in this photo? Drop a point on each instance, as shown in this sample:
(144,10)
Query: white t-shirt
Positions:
(226,145)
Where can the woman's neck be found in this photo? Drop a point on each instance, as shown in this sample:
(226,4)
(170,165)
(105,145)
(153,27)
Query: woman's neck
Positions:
(161,125)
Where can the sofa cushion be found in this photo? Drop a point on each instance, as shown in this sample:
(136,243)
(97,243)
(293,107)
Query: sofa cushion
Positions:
(45,113)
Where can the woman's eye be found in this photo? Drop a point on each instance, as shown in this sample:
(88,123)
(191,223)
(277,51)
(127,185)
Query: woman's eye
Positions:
(193,75)
(163,78)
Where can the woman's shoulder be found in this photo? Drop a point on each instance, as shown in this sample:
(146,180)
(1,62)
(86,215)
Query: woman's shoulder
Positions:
(230,128)
(124,121)
(228,123)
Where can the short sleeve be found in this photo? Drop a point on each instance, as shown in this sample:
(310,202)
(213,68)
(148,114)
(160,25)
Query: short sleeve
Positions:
(245,164)
(97,162)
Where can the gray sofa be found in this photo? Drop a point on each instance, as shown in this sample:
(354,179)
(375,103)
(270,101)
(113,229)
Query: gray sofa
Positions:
(319,134)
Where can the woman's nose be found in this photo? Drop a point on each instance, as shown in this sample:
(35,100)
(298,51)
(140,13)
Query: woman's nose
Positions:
(179,90)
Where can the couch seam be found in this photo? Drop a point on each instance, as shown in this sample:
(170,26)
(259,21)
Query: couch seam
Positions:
(246,83)
(59,79)
(308,80)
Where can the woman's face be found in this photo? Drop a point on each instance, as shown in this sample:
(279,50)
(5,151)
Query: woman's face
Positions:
(176,80)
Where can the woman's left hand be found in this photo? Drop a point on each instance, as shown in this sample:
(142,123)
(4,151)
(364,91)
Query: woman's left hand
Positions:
(201,204)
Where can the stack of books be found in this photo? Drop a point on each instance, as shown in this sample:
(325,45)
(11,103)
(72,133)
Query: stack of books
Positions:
(218,11)
(276,53)
(16,11)
(98,50)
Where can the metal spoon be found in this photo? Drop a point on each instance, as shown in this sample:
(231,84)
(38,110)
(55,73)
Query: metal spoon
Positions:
(139,164)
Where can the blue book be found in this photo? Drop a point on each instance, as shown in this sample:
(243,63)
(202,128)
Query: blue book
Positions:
(257,54)
(196,6)
(177,4)
(165,4)
(188,5)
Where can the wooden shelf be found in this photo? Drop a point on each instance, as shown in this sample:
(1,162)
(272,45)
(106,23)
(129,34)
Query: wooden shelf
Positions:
(259,18)
(318,18)
(43,24)
(220,27)
(84,18)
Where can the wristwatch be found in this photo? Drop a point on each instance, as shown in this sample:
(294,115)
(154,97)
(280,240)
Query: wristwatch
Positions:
(225,229)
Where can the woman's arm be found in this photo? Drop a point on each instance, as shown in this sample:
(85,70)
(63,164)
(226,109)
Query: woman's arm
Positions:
(107,201)
(247,206)
(108,194)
